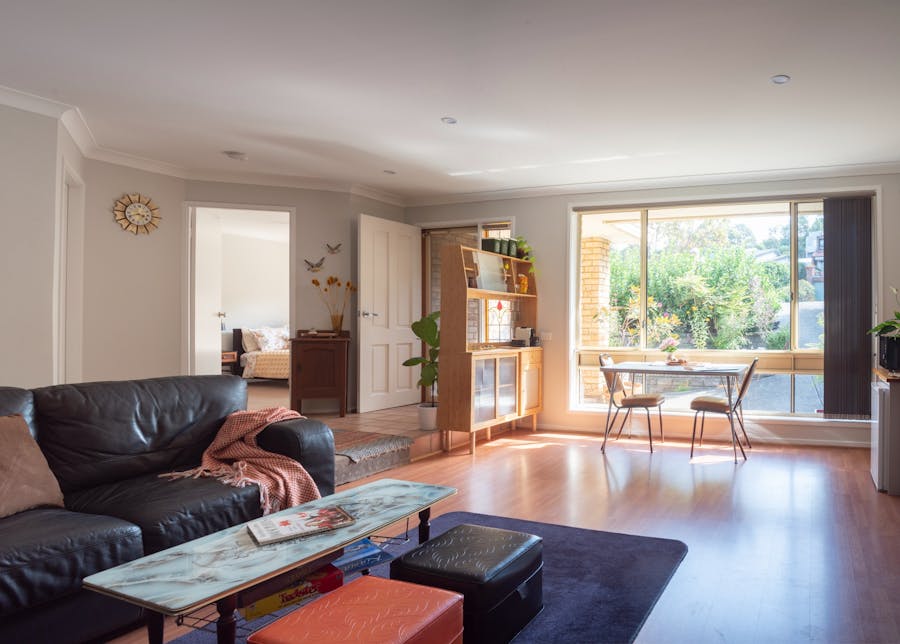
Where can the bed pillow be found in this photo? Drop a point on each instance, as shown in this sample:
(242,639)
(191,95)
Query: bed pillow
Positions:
(273,338)
(25,478)
(249,341)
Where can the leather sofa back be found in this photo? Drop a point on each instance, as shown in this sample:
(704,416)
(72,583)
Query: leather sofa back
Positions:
(101,432)
(17,401)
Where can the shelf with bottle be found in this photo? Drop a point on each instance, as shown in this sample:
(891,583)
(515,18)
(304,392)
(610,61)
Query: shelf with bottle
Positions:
(491,274)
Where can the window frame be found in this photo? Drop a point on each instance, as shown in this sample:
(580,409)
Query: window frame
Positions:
(795,361)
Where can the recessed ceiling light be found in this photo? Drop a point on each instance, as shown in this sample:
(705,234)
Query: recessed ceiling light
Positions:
(780,79)
(390,171)
(235,155)
(449,120)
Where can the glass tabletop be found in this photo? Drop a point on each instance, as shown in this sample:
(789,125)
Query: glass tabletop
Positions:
(180,579)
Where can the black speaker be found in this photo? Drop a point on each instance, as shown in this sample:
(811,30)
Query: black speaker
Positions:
(889,352)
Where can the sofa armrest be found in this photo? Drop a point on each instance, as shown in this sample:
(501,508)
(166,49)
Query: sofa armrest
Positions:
(309,442)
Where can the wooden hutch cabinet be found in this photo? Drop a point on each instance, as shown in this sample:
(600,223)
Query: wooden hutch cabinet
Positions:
(319,369)
(485,383)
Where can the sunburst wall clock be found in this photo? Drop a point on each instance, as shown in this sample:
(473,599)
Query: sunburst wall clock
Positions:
(136,213)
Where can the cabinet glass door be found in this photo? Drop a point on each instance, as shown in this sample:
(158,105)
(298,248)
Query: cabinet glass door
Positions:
(506,386)
(483,392)
(531,387)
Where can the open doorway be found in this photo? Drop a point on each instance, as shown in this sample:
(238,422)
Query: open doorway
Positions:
(241,278)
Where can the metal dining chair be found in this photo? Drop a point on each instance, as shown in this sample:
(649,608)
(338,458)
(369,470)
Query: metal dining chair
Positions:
(732,409)
(621,400)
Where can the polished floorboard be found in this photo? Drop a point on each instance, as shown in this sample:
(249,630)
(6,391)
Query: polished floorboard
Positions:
(793,545)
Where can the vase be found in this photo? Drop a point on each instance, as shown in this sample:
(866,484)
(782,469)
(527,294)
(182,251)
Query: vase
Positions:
(337,322)
(427,417)
(672,358)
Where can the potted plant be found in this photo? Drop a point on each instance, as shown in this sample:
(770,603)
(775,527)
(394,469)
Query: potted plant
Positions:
(525,251)
(669,346)
(523,248)
(888,333)
(426,329)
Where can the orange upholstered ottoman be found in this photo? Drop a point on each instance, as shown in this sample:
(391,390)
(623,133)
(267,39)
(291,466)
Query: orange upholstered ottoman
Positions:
(372,610)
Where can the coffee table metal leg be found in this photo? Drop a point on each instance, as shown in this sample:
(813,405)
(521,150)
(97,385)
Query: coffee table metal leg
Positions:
(226,624)
(155,626)
(424,525)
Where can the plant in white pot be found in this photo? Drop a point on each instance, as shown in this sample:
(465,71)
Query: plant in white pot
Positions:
(888,333)
(426,329)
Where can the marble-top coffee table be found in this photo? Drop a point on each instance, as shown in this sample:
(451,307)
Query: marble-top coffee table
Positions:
(214,568)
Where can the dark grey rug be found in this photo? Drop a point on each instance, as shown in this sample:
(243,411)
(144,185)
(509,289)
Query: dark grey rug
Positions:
(598,586)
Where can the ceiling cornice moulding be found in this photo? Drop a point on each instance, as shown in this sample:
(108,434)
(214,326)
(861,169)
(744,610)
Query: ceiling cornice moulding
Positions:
(378,195)
(685,181)
(31,103)
(78,129)
(269,180)
(138,163)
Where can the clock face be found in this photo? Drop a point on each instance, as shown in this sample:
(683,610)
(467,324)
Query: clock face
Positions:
(136,214)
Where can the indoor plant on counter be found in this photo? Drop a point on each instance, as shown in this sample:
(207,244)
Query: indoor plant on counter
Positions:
(888,333)
(426,329)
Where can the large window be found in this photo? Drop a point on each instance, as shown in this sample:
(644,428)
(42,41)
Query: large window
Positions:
(723,280)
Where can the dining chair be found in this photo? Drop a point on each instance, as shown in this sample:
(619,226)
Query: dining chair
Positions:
(620,399)
(731,408)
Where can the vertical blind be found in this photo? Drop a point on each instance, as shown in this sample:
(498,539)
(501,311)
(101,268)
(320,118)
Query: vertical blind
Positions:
(848,306)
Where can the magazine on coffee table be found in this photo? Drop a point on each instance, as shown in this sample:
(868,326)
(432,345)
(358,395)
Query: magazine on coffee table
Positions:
(292,525)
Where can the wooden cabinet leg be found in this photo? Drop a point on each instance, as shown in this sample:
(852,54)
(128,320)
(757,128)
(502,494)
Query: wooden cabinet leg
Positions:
(472,443)
(534,422)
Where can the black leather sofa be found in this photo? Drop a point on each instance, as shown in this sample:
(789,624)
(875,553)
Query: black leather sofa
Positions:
(107,442)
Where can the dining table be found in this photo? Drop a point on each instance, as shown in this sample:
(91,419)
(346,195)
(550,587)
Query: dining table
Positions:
(729,373)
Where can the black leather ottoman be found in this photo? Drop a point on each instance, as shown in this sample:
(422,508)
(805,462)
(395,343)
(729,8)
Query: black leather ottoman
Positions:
(497,571)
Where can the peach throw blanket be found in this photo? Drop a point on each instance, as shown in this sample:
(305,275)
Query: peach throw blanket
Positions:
(235,459)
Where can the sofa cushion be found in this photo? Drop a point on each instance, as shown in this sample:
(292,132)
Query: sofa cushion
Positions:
(45,553)
(170,512)
(25,478)
(100,432)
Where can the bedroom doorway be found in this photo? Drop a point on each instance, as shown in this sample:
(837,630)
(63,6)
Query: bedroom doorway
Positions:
(240,277)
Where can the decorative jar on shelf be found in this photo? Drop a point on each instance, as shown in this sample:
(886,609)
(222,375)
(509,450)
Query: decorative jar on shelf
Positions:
(490,244)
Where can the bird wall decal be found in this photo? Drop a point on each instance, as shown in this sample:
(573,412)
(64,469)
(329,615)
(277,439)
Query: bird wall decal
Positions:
(314,267)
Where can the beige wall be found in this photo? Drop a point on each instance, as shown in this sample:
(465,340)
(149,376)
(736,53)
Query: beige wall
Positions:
(544,221)
(28,162)
(133,284)
(321,217)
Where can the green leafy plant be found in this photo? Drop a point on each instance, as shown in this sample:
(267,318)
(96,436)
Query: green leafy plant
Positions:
(525,251)
(892,326)
(426,329)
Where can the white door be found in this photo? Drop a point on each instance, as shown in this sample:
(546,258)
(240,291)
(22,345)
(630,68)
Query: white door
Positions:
(207,297)
(390,299)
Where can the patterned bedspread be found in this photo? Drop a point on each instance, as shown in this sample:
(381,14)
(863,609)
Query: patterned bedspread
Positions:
(267,364)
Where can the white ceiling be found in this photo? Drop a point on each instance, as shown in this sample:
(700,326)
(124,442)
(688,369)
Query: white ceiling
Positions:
(546,93)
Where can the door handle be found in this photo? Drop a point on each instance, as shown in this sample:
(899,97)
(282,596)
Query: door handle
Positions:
(366,314)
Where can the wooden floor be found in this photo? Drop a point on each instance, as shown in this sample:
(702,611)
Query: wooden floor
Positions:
(794,545)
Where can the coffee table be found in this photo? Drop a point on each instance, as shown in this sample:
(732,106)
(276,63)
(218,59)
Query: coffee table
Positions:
(214,568)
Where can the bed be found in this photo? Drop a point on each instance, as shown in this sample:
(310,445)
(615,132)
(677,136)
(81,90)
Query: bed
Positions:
(262,353)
